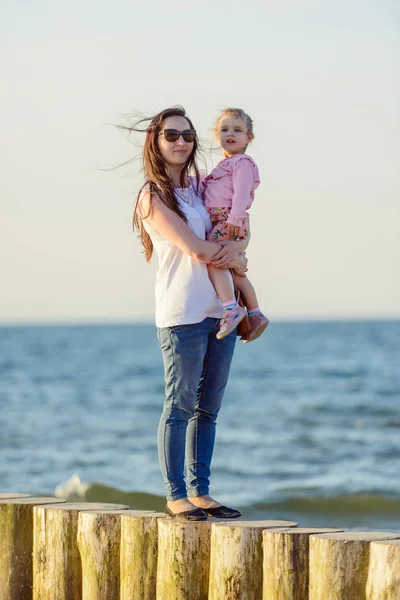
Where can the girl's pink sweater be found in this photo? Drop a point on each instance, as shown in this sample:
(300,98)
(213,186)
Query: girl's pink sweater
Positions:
(231,185)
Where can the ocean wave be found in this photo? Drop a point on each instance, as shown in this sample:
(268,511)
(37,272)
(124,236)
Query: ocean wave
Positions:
(75,490)
(350,504)
(342,374)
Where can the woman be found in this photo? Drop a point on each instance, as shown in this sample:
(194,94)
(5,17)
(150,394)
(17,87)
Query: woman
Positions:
(171,218)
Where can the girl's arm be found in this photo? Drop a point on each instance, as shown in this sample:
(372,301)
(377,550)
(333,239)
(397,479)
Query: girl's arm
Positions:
(168,224)
(243,183)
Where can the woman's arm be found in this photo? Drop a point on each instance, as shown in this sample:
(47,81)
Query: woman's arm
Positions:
(168,224)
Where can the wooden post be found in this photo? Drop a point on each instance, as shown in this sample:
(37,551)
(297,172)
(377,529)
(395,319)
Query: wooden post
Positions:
(383,581)
(99,537)
(286,562)
(139,551)
(236,565)
(339,564)
(57,569)
(16,542)
(183,559)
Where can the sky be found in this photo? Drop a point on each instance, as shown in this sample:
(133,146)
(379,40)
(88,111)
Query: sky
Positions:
(319,79)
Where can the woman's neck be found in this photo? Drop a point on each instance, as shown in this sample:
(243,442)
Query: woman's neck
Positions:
(174,172)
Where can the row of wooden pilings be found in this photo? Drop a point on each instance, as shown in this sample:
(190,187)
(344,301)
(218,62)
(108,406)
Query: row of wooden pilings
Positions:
(53,550)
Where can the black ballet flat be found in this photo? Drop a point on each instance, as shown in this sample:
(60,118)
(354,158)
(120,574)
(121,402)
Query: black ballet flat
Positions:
(223,512)
(198,514)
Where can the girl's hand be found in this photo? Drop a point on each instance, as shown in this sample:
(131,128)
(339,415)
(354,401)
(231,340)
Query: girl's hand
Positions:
(232,230)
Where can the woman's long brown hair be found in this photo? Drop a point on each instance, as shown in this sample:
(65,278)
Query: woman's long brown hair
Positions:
(156,174)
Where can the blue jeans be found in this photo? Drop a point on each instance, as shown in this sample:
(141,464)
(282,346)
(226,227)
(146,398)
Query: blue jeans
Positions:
(196,367)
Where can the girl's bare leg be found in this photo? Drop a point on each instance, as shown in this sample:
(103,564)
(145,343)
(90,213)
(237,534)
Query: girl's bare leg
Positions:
(246,288)
(258,321)
(223,284)
(233,313)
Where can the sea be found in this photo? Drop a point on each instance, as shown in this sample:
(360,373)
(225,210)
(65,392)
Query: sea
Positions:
(309,429)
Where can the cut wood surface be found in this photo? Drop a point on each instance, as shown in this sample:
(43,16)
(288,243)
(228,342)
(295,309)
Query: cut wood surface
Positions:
(236,563)
(57,570)
(99,538)
(138,556)
(183,559)
(383,581)
(286,554)
(10,495)
(339,564)
(16,545)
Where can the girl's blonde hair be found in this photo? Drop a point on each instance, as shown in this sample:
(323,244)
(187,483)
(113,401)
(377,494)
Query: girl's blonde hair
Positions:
(239,114)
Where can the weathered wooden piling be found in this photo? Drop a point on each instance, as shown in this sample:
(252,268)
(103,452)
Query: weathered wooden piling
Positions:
(383,581)
(138,555)
(339,564)
(57,569)
(236,564)
(286,562)
(51,550)
(16,544)
(99,539)
(183,559)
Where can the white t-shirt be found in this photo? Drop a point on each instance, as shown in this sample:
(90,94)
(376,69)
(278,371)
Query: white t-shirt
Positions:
(184,292)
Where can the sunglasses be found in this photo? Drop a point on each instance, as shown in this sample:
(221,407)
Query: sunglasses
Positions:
(173,135)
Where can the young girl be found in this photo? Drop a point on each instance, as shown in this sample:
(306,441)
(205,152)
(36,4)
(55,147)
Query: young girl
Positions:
(228,194)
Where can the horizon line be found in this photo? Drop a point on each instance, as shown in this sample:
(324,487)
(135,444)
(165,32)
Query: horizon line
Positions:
(146,322)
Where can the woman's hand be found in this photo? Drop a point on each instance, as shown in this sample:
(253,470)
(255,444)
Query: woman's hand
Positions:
(223,258)
(239,246)
(241,267)
(229,257)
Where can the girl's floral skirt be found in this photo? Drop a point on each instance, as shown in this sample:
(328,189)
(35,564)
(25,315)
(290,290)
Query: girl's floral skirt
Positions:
(219,231)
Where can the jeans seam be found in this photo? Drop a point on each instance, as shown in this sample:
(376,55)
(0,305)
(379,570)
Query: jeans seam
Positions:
(205,367)
(196,449)
(172,405)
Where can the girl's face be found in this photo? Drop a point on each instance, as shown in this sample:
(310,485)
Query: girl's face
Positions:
(233,136)
(175,153)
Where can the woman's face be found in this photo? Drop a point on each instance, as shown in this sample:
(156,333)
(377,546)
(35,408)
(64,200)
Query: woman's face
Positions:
(175,153)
